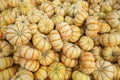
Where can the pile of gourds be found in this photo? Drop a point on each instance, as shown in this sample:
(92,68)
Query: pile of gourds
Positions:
(59,39)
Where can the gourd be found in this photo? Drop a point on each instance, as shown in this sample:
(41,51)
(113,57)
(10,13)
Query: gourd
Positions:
(33,28)
(68,73)
(69,20)
(57,18)
(60,10)
(14,3)
(2,32)
(3,5)
(116,72)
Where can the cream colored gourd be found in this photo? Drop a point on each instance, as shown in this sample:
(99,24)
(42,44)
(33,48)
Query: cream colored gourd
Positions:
(87,63)
(18,34)
(55,40)
(2,32)
(3,5)
(56,3)
(60,10)
(76,33)
(14,3)
(16,58)
(34,28)
(8,73)
(57,57)
(96,40)
(41,73)
(111,53)
(68,74)
(45,25)
(22,19)
(116,72)
(5,62)
(65,30)
(5,48)
(84,4)
(104,70)
(69,20)
(56,71)
(117,6)
(77,75)
(68,61)
(86,43)
(29,52)
(23,75)
(94,1)
(47,57)
(71,50)
(29,64)
(57,18)
(41,42)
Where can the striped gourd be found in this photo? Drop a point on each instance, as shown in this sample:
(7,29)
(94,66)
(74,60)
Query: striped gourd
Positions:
(18,34)
(3,5)
(60,10)
(57,18)
(116,72)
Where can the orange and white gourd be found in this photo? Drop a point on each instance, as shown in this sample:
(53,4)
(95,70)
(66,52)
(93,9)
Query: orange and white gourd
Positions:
(33,15)
(57,18)
(47,57)
(84,4)
(56,71)
(33,28)
(60,10)
(65,30)
(71,50)
(87,63)
(113,18)
(5,48)
(41,73)
(45,25)
(80,18)
(97,40)
(3,5)
(76,33)
(104,70)
(16,58)
(69,20)
(94,9)
(2,32)
(57,57)
(69,62)
(116,72)
(22,19)
(111,53)
(56,3)
(18,34)
(5,62)
(117,6)
(29,52)
(41,42)
(29,64)
(77,75)
(14,3)
(86,43)
(55,40)
(23,75)
(8,73)
(48,8)
(68,73)
(7,17)
(94,1)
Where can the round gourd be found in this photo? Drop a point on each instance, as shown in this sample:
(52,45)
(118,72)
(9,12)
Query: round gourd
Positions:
(3,32)
(116,72)
(69,20)
(56,3)
(77,75)
(14,3)
(18,34)
(65,30)
(29,52)
(71,50)
(3,5)
(56,71)
(68,74)
(60,10)
(8,73)
(80,18)
(41,73)
(57,57)
(47,57)
(84,4)
(48,8)
(41,42)
(22,19)
(111,53)
(45,25)
(86,43)
(16,58)
(29,64)
(55,40)
(34,28)
(96,40)
(23,75)
(104,70)
(87,63)
(113,18)
(76,33)
(16,12)
(5,48)
(68,61)
(5,62)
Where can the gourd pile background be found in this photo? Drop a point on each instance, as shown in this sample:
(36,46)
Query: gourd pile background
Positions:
(59,39)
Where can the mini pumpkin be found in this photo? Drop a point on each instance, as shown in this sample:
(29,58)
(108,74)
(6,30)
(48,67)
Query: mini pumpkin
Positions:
(68,74)
(60,10)
(116,72)
(5,48)
(87,63)
(24,75)
(57,57)
(84,4)
(34,28)
(29,52)
(94,1)
(68,61)
(45,25)
(56,71)
(64,30)
(3,5)
(18,34)
(47,57)
(104,70)
(56,3)
(86,43)
(56,40)
(69,20)
(5,62)
(16,58)
(29,64)
(41,42)
(3,32)
(40,1)
(71,50)
(77,75)
(14,3)
(41,73)
(117,6)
